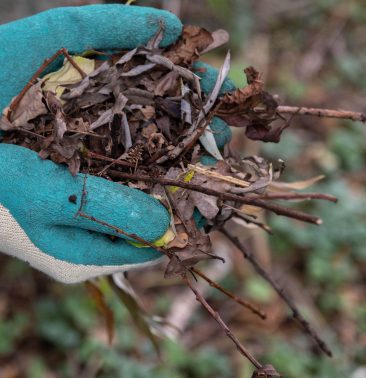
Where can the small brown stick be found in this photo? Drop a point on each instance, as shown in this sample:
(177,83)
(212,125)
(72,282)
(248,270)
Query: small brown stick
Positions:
(120,231)
(122,163)
(249,200)
(242,302)
(298,196)
(319,112)
(34,78)
(215,315)
(280,291)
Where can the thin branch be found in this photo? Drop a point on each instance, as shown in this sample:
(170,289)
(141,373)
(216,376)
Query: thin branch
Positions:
(199,297)
(249,200)
(242,302)
(122,163)
(120,231)
(319,112)
(215,315)
(40,70)
(298,196)
(280,291)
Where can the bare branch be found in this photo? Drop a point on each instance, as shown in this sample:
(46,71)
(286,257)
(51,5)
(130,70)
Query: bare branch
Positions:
(280,291)
(247,199)
(320,112)
(215,315)
(242,302)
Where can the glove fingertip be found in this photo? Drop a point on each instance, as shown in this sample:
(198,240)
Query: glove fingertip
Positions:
(122,26)
(222,132)
(208,75)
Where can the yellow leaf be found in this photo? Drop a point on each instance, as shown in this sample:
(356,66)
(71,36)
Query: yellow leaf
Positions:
(187,178)
(67,74)
(162,242)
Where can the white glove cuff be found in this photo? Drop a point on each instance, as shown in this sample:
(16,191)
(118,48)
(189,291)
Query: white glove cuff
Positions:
(15,242)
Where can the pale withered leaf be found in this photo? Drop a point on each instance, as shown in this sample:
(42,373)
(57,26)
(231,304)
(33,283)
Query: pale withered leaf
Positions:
(30,107)
(194,40)
(220,37)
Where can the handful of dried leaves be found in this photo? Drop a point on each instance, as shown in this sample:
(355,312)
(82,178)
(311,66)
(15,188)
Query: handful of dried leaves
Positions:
(140,118)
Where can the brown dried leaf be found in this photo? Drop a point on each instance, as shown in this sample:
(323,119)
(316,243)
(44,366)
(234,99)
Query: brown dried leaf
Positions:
(134,305)
(198,249)
(265,133)
(171,107)
(102,306)
(220,37)
(193,41)
(139,96)
(186,200)
(254,87)
(138,70)
(167,85)
(30,107)
(55,107)
(164,125)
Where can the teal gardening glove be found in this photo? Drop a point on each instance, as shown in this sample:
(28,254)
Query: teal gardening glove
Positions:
(37,219)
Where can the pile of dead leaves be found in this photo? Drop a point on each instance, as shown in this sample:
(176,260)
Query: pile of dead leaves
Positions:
(139,117)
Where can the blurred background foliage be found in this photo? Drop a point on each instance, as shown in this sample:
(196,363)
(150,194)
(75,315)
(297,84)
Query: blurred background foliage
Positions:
(312,53)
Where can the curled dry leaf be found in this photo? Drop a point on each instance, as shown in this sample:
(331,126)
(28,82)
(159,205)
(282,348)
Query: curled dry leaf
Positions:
(193,41)
(30,107)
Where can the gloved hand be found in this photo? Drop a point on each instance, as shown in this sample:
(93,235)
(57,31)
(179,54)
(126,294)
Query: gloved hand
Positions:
(37,222)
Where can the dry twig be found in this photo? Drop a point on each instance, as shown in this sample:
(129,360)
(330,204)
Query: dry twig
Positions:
(280,291)
(34,78)
(248,200)
(242,302)
(320,112)
(215,315)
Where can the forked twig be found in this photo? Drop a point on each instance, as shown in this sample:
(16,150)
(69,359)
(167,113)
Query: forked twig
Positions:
(242,302)
(40,70)
(199,297)
(215,315)
(280,291)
